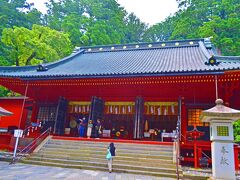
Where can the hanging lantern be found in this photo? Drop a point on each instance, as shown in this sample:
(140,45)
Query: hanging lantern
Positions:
(111,110)
(84,109)
(88,108)
(79,109)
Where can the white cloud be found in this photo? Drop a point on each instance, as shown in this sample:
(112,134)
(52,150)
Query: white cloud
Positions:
(149,11)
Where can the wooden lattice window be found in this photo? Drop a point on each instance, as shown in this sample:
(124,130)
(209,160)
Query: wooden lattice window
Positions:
(194,118)
(47,113)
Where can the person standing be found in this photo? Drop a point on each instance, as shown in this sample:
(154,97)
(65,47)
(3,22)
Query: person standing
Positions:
(98,128)
(111,153)
(89,129)
(82,128)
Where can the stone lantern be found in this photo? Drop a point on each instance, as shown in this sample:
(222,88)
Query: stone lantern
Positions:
(221,118)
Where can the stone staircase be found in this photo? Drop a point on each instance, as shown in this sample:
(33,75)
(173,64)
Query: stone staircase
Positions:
(155,160)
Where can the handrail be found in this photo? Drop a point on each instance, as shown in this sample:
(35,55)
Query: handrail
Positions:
(177,139)
(206,155)
(29,147)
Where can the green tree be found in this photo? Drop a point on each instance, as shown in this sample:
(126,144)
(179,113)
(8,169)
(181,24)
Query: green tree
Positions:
(236,126)
(161,31)
(135,29)
(94,22)
(18,13)
(202,18)
(38,45)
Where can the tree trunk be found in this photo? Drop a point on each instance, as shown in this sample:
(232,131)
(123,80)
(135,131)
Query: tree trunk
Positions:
(30,58)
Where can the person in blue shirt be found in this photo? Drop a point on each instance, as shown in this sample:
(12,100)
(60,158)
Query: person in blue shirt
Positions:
(112,151)
(82,128)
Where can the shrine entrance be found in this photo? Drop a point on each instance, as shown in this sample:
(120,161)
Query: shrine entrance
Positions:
(160,120)
(118,120)
(126,119)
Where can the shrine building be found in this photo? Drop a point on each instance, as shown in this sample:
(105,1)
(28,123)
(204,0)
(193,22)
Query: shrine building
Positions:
(138,91)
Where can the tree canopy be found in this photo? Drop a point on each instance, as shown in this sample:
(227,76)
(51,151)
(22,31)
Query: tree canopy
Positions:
(219,19)
(35,46)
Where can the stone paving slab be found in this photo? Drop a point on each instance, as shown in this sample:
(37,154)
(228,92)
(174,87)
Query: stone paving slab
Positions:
(21,171)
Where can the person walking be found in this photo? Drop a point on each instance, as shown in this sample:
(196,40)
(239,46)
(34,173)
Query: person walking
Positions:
(110,154)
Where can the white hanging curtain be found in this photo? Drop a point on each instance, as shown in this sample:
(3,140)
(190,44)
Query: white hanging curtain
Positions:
(173,110)
(159,110)
(165,110)
(116,110)
(123,110)
(152,110)
(75,109)
(129,109)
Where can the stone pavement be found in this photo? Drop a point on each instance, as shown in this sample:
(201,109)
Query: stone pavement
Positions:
(33,172)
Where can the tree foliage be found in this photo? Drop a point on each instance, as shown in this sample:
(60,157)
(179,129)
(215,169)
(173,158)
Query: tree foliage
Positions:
(38,45)
(219,19)
(236,126)
(94,22)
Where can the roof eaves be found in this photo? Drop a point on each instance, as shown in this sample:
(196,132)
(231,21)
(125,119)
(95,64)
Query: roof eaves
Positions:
(114,75)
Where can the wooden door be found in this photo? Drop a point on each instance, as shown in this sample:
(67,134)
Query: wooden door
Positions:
(138,120)
(60,116)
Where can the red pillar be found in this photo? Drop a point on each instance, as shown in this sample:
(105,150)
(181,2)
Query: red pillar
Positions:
(236,158)
(195,154)
(199,155)
(34,112)
(183,121)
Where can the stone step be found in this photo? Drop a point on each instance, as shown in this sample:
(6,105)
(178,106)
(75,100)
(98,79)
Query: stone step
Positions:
(143,159)
(117,159)
(159,174)
(93,153)
(102,156)
(104,164)
(104,149)
(106,144)
(148,148)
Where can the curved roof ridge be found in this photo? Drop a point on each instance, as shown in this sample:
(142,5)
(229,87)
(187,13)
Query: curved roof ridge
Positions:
(62,61)
(47,65)
(227,58)
(204,50)
(142,45)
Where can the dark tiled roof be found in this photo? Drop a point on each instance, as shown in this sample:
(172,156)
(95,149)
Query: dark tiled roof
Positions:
(162,58)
